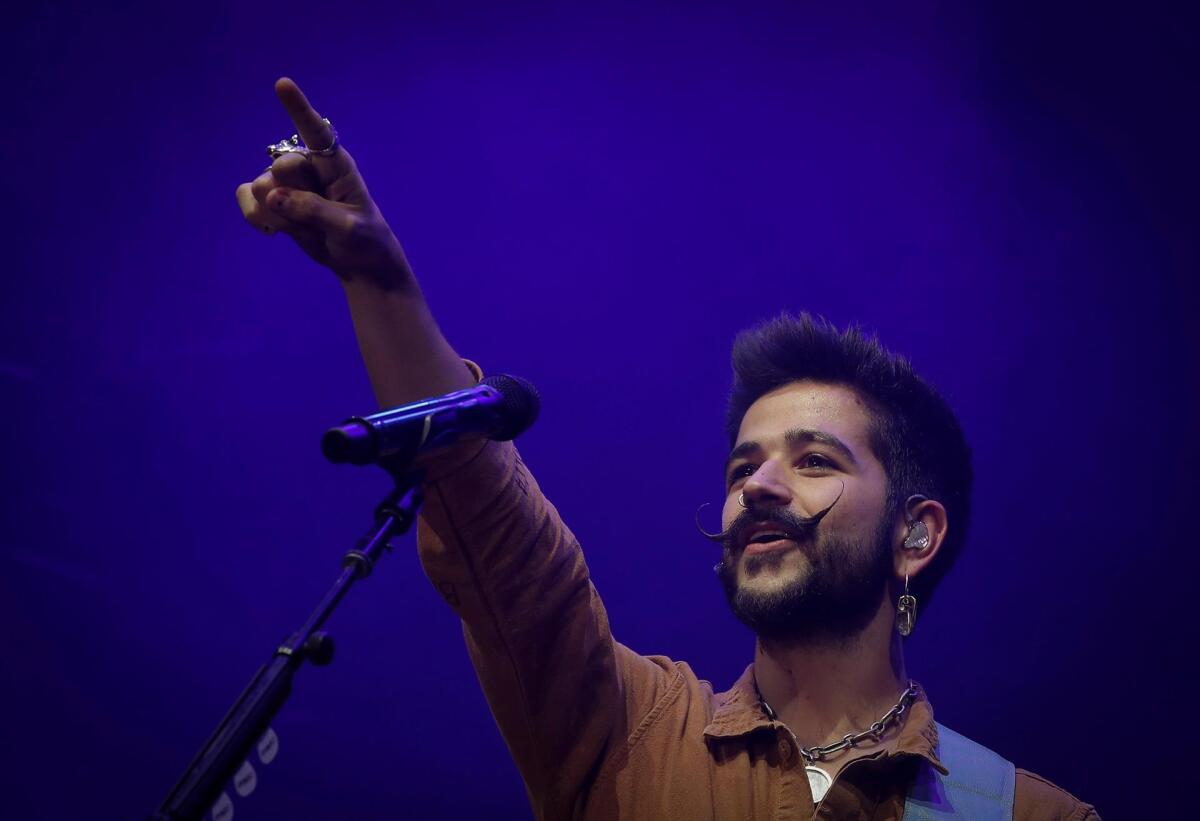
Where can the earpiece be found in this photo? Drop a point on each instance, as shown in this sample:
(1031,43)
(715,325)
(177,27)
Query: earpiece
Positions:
(918,536)
(918,532)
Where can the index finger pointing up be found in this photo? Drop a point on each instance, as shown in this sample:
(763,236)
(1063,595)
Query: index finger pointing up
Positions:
(310,126)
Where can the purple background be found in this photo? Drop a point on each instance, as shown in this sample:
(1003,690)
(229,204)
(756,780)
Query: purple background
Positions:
(597,201)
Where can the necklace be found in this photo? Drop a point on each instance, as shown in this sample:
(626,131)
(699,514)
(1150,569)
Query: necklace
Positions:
(818,779)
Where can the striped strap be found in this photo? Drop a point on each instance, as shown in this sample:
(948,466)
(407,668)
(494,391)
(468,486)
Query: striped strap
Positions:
(980,785)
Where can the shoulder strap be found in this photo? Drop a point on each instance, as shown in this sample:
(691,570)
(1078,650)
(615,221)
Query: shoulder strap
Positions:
(980,785)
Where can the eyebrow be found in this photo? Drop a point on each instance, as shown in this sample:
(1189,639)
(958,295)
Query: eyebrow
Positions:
(794,437)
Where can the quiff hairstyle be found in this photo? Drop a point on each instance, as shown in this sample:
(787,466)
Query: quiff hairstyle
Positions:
(914,433)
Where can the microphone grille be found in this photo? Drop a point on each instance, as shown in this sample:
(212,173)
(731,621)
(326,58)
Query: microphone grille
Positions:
(519,405)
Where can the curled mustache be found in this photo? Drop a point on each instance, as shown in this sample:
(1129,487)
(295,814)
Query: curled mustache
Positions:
(802,526)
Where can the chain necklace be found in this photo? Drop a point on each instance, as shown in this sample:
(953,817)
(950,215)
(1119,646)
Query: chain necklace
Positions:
(818,779)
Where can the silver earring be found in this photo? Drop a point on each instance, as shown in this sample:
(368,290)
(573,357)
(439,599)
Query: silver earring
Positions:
(906,611)
(742,499)
(918,536)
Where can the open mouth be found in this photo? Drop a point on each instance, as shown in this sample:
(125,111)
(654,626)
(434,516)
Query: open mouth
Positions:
(765,540)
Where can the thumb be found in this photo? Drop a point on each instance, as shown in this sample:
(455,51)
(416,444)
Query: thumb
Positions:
(309,209)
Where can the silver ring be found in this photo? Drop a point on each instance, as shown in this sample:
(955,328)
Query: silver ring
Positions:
(333,144)
(742,499)
(294,146)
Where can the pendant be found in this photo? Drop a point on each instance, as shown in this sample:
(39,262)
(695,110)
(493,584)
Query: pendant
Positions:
(819,782)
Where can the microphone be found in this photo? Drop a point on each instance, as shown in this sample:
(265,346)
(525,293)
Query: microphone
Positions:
(500,407)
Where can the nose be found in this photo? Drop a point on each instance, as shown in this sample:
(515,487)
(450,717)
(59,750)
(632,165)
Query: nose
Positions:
(767,486)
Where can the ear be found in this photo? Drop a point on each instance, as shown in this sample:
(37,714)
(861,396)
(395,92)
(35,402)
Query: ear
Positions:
(911,561)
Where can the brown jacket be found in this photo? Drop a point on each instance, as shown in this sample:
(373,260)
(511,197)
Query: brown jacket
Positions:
(600,732)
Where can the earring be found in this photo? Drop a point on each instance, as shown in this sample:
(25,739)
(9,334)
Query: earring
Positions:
(918,536)
(742,499)
(906,611)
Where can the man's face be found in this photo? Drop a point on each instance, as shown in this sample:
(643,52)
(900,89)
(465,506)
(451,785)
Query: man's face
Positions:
(800,448)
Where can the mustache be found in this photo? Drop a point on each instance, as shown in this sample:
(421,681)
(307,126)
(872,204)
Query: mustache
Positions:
(802,526)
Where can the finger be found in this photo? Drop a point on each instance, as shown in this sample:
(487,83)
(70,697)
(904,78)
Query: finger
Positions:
(311,211)
(286,172)
(254,212)
(257,214)
(245,198)
(262,185)
(294,171)
(309,125)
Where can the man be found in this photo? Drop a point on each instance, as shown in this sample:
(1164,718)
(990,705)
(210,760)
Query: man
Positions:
(848,495)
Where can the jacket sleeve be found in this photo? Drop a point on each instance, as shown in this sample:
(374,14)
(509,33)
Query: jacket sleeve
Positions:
(560,688)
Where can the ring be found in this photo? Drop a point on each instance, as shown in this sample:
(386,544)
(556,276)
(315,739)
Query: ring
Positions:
(294,146)
(333,143)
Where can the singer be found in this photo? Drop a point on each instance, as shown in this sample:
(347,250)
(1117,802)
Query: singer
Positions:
(848,495)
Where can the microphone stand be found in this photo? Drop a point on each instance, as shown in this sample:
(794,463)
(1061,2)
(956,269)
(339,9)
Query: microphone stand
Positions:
(250,717)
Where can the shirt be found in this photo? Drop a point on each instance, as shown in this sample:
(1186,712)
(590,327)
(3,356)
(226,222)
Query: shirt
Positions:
(601,732)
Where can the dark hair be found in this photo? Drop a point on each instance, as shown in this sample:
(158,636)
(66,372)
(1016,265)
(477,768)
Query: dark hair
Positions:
(914,433)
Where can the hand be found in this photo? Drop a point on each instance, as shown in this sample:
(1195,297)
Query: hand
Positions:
(323,204)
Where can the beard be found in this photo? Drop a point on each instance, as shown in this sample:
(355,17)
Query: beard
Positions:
(830,603)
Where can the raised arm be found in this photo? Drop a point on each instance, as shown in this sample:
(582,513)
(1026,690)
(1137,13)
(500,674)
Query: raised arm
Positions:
(563,693)
(323,204)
